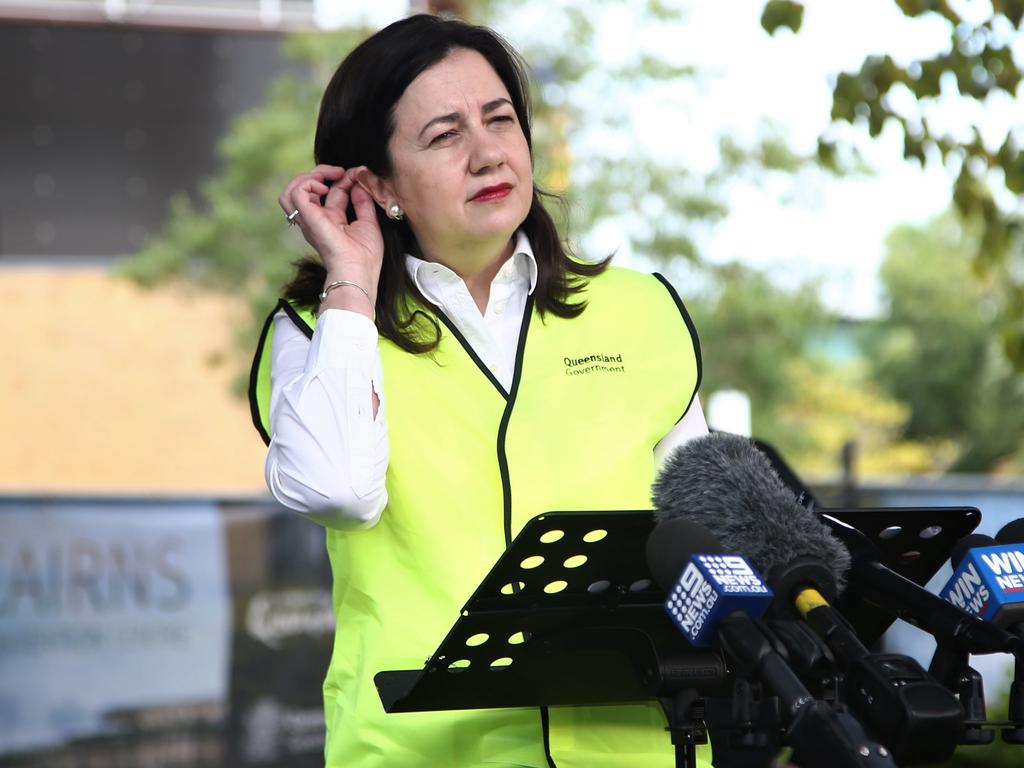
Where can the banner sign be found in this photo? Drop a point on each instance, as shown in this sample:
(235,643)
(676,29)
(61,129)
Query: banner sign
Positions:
(107,610)
(281,645)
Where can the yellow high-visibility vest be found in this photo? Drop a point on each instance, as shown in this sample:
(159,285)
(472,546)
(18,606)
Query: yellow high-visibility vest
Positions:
(470,464)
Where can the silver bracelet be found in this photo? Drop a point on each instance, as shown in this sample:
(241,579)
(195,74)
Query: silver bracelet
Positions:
(338,283)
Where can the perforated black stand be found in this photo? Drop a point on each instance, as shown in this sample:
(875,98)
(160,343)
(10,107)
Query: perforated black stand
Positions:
(567,616)
(913,541)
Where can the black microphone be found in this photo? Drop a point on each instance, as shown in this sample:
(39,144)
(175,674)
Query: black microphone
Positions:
(988,582)
(671,544)
(966,544)
(710,597)
(721,481)
(724,483)
(1012,533)
(958,633)
(897,595)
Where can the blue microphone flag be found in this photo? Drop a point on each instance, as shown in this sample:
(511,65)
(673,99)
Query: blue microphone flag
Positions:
(710,588)
(989,581)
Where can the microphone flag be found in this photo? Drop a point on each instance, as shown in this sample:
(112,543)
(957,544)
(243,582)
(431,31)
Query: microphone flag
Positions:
(989,582)
(710,588)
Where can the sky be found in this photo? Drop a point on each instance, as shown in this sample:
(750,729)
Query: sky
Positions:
(831,229)
(839,229)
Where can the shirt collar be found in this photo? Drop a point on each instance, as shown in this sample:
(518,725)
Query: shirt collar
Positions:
(428,275)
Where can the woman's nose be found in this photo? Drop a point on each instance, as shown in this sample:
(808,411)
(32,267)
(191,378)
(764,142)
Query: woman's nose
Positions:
(487,152)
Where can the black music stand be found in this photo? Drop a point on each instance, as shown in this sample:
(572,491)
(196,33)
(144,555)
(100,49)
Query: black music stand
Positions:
(569,615)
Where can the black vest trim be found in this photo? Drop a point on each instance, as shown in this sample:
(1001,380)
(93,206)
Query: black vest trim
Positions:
(517,373)
(296,318)
(693,336)
(506,482)
(470,351)
(254,371)
(547,737)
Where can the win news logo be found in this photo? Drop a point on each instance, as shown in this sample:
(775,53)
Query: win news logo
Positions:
(987,579)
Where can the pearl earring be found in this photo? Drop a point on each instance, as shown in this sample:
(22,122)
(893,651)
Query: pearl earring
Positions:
(395,212)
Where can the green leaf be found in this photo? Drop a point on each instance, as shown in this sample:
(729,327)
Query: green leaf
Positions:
(920,7)
(1013,10)
(782,13)
(913,148)
(1011,160)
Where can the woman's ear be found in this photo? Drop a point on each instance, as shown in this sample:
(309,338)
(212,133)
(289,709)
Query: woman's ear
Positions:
(376,187)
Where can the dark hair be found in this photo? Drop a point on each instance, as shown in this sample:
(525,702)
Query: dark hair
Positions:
(354,127)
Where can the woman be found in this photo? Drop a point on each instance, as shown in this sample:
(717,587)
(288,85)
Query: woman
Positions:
(465,374)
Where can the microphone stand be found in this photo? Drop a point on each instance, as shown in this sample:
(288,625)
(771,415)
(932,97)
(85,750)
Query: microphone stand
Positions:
(1015,733)
(1015,710)
(809,656)
(683,711)
(916,717)
(951,666)
(821,736)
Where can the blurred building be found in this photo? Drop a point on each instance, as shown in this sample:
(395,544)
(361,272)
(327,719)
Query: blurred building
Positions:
(107,109)
(103,117)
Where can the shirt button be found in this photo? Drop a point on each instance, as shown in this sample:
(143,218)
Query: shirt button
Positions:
(499,307)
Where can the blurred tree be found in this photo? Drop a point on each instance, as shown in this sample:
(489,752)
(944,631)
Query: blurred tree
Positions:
(750,330)
(979,69)
(772,343)
(830,405)
(232,238)
(936,349)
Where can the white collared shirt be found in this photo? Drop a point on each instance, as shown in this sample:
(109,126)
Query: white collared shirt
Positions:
(493,335)
(329,454)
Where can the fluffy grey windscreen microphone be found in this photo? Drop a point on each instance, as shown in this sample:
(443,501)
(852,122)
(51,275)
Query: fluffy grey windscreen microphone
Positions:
(724,483)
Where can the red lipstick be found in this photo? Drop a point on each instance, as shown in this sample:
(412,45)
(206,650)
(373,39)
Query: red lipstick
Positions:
(496,192)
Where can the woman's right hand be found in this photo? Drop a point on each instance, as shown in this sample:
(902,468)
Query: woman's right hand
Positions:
(350,250)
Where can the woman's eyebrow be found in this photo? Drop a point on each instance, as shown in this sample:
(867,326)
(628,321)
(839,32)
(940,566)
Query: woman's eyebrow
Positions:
(453,117)
(490,106)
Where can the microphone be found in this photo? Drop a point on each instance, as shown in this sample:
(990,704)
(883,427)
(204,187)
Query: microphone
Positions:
(717,599)
(988,581)
(721,481)
(724,483)
(669,546)
(704,585)
(967,543)
(881,586)
(1011,533)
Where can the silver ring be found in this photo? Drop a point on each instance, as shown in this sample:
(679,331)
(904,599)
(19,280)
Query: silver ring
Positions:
(292,216)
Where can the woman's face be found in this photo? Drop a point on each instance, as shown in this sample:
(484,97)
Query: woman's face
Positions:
(461,167)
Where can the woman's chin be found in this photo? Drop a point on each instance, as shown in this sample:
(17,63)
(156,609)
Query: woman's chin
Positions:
(497,223)
(497,235)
